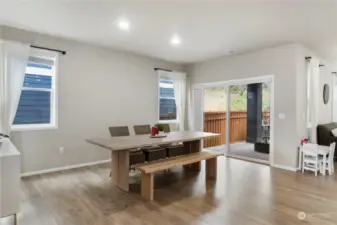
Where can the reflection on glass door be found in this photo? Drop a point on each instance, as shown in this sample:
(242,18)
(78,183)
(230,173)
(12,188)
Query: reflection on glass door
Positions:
(215,103)
(238,118)
(249,120)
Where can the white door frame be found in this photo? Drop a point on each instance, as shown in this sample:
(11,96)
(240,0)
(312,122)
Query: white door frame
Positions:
(192,111)
(245,81)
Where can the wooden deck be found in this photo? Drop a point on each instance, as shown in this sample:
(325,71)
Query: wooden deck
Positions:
(215,122)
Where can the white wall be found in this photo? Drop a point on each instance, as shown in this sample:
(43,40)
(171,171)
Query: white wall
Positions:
(334,99)
(323,111)
(97,88)
(301,92)
(280,62)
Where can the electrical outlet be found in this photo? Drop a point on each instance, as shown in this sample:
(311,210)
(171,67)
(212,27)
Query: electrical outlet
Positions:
(61,150)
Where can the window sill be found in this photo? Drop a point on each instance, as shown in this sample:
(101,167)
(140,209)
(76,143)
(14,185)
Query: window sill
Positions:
(31,127)
(169,121)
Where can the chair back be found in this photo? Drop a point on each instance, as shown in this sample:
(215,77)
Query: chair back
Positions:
(142,129)
(332,151)
(310,149)
(119,131)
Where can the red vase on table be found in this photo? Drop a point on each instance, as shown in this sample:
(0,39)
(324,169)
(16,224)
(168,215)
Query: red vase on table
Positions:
(154,131)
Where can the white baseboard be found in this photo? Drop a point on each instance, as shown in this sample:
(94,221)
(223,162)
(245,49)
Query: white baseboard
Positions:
(285,167)
(65,168)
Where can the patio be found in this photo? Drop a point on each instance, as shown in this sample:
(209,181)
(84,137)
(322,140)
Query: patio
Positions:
(241,149)
(215,122)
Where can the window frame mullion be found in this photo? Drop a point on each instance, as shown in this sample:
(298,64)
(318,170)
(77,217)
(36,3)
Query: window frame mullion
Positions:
(36,89)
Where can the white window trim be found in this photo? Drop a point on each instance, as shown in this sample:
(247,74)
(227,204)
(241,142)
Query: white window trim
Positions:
(174,121)
(169,121)
(53,95)
(29,127)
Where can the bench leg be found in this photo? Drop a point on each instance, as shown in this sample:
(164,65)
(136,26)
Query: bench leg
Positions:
(211,169)
(147,186)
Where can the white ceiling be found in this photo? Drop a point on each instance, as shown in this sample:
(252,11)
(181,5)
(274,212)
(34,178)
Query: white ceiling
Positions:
(208,28)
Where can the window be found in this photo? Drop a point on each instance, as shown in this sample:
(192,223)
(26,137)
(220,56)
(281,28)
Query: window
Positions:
(167,104)
(37,104)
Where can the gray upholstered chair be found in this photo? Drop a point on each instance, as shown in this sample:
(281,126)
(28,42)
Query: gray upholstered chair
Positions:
(135,155)
(142,129)
(119,131)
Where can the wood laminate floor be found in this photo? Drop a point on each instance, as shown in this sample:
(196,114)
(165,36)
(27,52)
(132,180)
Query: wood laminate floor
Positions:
(245,193)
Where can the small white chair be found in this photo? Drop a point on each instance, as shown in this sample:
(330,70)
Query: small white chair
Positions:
(329,163)
(311,159)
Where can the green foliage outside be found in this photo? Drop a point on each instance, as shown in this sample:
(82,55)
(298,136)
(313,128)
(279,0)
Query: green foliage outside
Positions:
(216,98)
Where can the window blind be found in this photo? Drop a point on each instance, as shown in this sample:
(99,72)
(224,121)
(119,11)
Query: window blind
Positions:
(35,100)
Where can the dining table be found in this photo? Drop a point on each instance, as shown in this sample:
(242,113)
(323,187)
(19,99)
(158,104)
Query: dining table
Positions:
(121,146)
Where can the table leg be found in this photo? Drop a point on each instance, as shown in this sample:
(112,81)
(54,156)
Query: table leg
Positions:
(120,169)
(123,169)
(114,167)
(300,158)
(324,164)
(15,219)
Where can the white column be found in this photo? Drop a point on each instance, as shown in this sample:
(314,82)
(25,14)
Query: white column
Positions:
(314,98)
(334,98)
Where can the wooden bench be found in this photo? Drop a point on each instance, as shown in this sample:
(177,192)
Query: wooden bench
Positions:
(148,169)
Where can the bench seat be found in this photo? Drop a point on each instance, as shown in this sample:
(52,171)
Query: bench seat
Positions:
(148,169)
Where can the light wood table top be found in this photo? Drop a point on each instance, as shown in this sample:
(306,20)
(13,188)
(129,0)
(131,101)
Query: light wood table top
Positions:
(138,141)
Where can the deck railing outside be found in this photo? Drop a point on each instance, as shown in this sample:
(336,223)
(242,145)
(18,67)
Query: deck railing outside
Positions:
(215,122)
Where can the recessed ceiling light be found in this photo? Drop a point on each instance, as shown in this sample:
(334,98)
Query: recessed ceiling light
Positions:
(124,24)
(175,40)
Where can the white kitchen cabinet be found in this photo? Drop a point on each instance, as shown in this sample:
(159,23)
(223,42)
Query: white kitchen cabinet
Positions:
(9,179)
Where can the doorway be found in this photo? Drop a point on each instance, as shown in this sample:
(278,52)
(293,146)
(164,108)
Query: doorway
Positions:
(250,121)
(241,111)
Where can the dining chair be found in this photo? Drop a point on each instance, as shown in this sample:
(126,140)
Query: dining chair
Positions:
(142,129)
(119,131)
(311,159)
(329,163)
(134,154)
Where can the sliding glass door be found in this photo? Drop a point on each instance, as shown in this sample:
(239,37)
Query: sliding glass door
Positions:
(249,121)
(197,114)
(215,106)
(238,119)
(238,111)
